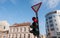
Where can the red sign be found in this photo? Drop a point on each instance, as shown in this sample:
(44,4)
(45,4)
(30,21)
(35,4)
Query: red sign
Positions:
(36,7)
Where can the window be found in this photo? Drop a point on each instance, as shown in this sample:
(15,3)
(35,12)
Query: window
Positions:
(24,28)
(58,33)
(51,25)
(46,19)
(29,29)
(21,29)
(50,17)
(52,29)
(4,27)
(14,29)
(28,35)
(53,16)
(48,29)
(17,29)
(16,35)
(50,21)
(54,37)
(57,29)
(48,33)
(46,22)
(54,20)
(20,36)
(47,26)
(56,24)
(24,35)
(9,35)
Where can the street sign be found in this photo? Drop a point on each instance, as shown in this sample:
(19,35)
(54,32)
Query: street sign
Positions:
(36,7)
(36,29)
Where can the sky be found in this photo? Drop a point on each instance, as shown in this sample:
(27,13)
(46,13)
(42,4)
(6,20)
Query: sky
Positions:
(19,11)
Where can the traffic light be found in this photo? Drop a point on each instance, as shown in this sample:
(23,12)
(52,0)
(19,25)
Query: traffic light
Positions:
(35,19)
(34,27)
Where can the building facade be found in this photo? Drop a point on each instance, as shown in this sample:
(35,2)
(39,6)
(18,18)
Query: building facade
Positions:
(20,31)
(53,24)
(4,27)
(3,34)
(43,36)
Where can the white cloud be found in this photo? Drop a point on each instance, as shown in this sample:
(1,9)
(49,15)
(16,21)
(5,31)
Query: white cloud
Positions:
(52,3)
(35,1)
(48,3)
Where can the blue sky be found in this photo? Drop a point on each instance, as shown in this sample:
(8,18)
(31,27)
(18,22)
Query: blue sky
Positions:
(19,11)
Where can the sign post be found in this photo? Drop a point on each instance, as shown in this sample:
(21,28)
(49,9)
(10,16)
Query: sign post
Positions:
(35,9)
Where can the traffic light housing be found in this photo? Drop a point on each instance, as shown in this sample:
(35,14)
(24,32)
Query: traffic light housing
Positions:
(35,19)
(34,27)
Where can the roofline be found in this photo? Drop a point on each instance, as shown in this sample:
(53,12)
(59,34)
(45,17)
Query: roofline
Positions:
(18,26)
(50,13)
(21,24)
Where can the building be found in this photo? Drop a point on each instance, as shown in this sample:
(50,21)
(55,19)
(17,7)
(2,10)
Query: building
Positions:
(4,27)
(43,36)
(20,31)
(53,24)
(3,34)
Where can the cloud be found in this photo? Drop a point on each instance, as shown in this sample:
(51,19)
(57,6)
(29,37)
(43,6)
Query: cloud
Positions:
(47,3)
(35,1)
(52,3)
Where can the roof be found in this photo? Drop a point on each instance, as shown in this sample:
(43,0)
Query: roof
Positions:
(50,13)
(21,24)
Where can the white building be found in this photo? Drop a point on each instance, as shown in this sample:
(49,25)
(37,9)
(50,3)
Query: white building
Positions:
(3,34)
(20,31)
(43,36)
(4,25)
(53,24)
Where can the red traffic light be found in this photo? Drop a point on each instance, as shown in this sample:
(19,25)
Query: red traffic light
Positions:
(34,19)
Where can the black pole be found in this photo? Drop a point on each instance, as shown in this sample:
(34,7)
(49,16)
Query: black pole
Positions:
(38,36)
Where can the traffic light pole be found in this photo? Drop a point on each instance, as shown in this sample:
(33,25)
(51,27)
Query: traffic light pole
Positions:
(38,36)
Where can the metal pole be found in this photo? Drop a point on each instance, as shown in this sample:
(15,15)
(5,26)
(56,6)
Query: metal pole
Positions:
(38,36)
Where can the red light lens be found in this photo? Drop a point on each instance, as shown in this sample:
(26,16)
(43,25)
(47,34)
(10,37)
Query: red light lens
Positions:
(35,20)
